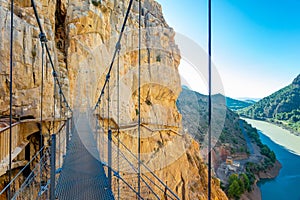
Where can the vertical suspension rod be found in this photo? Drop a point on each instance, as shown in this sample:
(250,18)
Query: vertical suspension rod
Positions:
(118,113)
(109,169)
(139,100)
(209,100)
(10,93)
(42,40)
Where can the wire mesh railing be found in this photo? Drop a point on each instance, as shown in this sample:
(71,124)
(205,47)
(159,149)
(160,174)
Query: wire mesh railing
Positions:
(124,165)
(30,189)
(28,182)
(19,178)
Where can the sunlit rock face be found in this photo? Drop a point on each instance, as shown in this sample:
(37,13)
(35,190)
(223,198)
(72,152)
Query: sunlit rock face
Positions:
(81,38)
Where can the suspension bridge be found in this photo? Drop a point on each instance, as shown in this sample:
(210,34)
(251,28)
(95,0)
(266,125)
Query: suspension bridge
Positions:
(84,157)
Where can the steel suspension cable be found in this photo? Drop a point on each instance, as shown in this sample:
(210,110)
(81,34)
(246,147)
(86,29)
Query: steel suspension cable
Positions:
(54,109)
(103,113)
(116,49)
(139,100)
(149,170)
(49,56)
(109,170)
(60,122)
(118,113)
(10,93)
(209,100)
(103,125)
(136,170)
(99,140)
(21,171)
(43,40)
(103,128)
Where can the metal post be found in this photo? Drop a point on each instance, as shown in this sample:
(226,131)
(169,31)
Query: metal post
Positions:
(43,40)
(52,163)
(67,132)
(10,95)
(109,171)
(72,126)
(103,128)
(109,157)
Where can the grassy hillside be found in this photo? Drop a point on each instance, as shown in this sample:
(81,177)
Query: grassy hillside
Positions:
(281,107)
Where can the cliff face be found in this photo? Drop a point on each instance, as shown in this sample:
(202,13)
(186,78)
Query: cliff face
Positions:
(27,62)
(82,36)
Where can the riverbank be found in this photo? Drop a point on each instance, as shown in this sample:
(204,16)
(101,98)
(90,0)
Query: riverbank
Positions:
(270,173)
(287,149)
(277,134)
(256,165)
(255,193)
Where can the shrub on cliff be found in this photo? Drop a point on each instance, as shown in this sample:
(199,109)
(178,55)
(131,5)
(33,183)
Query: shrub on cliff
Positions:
(238,184)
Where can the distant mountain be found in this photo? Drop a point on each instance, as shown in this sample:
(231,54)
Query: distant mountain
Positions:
(194,109)
(249,99)
(237,139)
(282,107)
(235,104)
(185,87)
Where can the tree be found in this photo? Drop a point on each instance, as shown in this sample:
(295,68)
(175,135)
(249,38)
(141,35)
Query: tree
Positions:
(233,177)
(242,185)
(234,190)
(244,178)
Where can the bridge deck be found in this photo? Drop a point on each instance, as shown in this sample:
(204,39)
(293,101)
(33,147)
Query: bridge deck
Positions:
(82,175)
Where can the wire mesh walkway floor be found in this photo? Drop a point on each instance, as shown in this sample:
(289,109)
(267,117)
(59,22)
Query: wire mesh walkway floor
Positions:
(82,175)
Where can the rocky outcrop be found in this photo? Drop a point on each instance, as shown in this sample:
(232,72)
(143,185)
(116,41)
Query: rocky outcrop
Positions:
(254,194)
(82,37)
(271,172)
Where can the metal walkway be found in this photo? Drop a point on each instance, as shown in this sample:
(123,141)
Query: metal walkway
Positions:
(82,175)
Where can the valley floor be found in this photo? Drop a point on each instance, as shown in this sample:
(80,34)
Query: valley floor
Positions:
(279,135)
(224,170)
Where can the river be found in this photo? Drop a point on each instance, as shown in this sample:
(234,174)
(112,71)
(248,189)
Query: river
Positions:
(286,186)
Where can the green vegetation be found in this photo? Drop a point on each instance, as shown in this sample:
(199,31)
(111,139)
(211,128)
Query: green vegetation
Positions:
(270,157)
(158,58)
(193,107)
(238,184)
(96,2)
(282,107)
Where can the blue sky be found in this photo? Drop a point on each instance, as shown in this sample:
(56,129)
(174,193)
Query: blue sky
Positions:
(256,43)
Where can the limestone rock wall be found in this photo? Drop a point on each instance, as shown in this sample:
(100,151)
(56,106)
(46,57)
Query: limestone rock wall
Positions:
(82,37)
